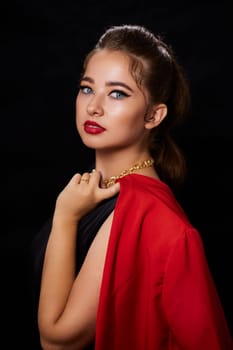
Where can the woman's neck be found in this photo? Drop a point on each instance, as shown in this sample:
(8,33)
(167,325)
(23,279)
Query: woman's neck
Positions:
(114,164)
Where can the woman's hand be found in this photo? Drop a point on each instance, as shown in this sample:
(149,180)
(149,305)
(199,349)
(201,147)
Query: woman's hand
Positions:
(82,194)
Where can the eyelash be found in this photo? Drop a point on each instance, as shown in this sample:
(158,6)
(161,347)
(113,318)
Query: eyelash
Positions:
(83,87)
(122,94)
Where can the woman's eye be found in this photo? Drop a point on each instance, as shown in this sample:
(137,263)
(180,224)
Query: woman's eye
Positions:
(117,94)
(85,89)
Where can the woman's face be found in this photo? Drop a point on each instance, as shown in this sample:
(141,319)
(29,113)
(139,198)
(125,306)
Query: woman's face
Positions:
(110,108)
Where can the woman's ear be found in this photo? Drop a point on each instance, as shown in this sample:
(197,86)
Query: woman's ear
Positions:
(155,116)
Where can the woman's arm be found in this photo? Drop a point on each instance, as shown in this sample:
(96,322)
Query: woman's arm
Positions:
(68,304)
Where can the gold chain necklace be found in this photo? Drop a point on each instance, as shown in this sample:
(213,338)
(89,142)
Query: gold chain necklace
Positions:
(145,164)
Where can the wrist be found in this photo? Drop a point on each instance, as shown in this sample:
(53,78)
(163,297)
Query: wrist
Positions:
(65,220)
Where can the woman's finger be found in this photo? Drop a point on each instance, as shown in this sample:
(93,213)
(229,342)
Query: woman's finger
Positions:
(110,191)
(85,178)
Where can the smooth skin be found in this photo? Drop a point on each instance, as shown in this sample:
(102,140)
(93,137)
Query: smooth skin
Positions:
(68,305)
(108,95)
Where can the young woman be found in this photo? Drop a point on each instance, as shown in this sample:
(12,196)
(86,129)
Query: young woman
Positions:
(123,266)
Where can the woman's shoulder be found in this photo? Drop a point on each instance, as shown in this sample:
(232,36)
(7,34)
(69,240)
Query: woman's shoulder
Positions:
(152,197)
(141,183)
(146,189)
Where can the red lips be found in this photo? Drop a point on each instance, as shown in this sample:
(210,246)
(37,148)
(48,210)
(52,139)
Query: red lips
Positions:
(93,128)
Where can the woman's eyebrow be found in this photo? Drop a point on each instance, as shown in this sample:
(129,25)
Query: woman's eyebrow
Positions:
(108,83)
(88,79)
(119,83)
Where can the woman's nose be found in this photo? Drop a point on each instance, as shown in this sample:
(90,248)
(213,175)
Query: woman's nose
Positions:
(95,106)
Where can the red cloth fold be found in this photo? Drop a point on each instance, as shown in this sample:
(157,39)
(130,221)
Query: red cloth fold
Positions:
(157,291)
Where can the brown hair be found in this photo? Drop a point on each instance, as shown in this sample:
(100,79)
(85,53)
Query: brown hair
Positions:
(154,67)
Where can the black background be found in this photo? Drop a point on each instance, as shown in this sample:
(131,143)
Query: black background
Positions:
(43,45)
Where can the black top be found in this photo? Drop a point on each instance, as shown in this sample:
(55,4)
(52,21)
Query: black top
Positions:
(88,228)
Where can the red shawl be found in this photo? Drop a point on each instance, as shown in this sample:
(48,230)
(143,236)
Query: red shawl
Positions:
(157,291)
